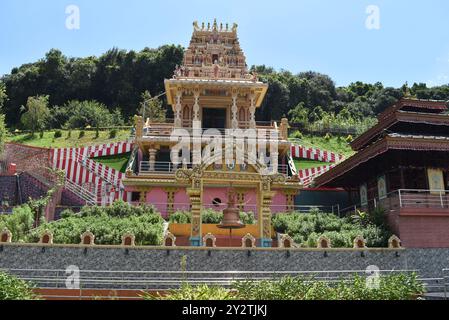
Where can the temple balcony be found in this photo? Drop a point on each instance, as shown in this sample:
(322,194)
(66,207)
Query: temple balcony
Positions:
(162,167)
(162,131)
(407,201)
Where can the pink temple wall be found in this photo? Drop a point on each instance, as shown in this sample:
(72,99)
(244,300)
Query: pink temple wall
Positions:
(279,203)
(182,200)
(158,198)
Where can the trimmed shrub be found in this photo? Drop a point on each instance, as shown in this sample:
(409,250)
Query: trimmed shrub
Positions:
(12,288)
(108,224)
(58,134)
(180,217)
(113,134)
(305,229)
(81,134)
(390,287)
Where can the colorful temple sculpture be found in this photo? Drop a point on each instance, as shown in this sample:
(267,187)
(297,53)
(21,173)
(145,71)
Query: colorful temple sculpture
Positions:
(402,166)
(214,98)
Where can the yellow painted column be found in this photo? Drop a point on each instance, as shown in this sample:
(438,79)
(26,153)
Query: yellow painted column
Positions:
(195,195)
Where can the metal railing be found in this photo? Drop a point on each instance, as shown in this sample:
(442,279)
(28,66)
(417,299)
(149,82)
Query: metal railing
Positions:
(162,279)
(160,167)
(169,167)
(83,193)
(165,131)
(405,198)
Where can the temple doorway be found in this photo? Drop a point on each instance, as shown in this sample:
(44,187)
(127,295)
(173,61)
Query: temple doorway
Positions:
(214,118)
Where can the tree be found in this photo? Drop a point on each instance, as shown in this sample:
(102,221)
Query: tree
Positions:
(37,113)
(3,98)
(151,108)
(2,132)
(90,113)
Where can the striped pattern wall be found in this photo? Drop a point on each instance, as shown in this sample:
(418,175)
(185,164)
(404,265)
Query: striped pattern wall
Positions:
(91,175)
(306,176)
(315,154)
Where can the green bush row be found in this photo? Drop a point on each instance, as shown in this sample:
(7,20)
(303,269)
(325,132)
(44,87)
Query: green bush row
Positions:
(12,288)
(108,224)
(389,287)
(305,229)
(209,216)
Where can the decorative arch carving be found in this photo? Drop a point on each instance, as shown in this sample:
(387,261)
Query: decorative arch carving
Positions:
(394,242)
(169,240)
(323,242)
(209,240)
(46,237)
(286,241)
(128,239)
(359,242)
(88,238)
(248,241)
(5,236)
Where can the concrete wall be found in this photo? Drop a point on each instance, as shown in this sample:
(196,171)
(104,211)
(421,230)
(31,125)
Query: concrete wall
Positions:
(429,262)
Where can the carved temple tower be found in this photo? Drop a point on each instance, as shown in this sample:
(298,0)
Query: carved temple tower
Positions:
(213,89)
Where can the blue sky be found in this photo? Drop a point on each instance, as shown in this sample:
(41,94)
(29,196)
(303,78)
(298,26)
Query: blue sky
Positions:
(327,36)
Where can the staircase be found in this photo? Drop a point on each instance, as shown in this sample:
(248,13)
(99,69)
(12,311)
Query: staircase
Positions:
(95,168)
(86,195)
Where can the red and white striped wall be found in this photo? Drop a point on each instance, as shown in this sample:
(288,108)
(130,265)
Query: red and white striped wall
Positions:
(315,154)
(81,170)
(307,175)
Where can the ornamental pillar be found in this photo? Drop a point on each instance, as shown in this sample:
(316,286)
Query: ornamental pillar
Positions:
(284,129)
(170,200)
(196,105)
(178,109)
(252,112)
(290,199)
(138,121)
(143,195)
(234,110)
(152,158)
(266,198)
(196,203)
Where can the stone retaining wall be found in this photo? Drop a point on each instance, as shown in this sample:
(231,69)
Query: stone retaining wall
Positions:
(428,262)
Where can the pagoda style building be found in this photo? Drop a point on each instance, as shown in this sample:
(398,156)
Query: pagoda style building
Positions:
(402,166)
(213,89)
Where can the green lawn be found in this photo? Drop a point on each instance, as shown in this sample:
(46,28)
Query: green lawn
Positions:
(49,141)
(302,164)
(117,162)
(334,144)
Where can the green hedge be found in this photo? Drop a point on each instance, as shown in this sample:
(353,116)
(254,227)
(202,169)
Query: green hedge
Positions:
(12,288)
(209,216)
(390,287)
(108,224)
(305,229)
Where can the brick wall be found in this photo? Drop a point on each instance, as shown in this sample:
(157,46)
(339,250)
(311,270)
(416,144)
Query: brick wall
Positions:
(421,228)
(27,158)
(8,189)
(30,187)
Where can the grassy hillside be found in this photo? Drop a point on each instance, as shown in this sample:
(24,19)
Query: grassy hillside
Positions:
(117,162)
(49,141)
(334,144)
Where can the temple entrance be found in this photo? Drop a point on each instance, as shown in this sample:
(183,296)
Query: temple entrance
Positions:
(214,118)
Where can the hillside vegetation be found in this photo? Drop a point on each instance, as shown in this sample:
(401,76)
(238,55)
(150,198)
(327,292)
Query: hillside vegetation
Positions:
(48,139)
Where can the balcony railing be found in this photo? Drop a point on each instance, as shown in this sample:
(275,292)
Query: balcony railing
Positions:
(159,167)
(168,167)
(405,198)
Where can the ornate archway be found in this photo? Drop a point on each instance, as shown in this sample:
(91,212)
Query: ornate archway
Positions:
(215,171)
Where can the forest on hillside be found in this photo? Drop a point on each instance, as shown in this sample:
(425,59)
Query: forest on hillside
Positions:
(111,86)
